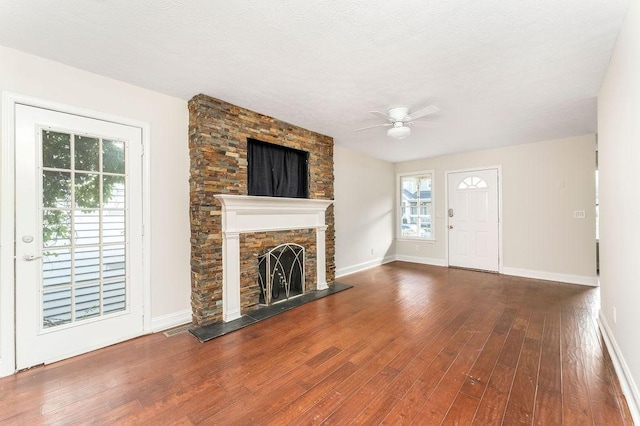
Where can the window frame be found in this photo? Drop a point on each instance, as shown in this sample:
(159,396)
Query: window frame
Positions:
(398,221)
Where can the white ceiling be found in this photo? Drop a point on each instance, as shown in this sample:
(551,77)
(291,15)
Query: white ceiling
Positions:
(501,71)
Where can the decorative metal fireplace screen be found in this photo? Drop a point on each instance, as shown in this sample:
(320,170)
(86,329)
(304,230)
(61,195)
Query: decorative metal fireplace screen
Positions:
(281,273)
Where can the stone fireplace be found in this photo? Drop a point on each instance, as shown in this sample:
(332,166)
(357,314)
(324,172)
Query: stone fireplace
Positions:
(230,229)
(246,214)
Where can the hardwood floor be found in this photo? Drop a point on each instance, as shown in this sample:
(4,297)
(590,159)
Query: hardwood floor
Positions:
(409,344)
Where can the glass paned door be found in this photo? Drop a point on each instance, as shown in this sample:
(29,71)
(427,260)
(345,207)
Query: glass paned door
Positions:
(83,216)
(79,276)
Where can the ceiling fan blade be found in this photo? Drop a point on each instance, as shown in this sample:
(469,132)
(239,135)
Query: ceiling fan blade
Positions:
(422,122)
(377,125)
(381,114)
(431,109)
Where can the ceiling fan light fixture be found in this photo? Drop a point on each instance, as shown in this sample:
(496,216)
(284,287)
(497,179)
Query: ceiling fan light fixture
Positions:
(400,119)
(399,132)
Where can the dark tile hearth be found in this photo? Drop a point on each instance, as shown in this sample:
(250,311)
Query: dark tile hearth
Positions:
(208,332)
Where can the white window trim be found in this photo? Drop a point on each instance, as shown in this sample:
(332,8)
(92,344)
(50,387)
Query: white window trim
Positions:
(398,210)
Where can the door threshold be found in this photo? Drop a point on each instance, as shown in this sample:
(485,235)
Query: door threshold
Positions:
(474,269)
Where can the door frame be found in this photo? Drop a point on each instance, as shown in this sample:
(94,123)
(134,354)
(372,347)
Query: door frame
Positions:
(446,198)
(8,211)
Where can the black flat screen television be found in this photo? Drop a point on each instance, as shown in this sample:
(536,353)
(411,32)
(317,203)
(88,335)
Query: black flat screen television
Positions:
(277,171)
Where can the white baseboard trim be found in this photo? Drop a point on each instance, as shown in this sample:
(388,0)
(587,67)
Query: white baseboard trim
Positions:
(422,260)
(175,319)
(551,276)
(629,388)
(518,272)
(363,266)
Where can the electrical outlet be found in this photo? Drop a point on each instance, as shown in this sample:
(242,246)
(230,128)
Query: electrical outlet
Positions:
(579,214)
(417,247)
(371,251)
(615,320)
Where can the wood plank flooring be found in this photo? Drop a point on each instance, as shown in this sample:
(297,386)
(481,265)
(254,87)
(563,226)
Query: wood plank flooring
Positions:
(409,344)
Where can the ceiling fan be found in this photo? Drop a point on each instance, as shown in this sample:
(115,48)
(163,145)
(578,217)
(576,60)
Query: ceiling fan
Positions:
(400,119)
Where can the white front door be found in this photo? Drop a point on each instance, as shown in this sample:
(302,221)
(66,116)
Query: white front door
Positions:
(473,219)
(78,234)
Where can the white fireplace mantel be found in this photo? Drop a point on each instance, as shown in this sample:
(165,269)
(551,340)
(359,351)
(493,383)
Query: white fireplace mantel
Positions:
(244,214)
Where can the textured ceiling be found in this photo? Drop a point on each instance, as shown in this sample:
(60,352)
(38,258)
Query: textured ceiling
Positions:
(501,71)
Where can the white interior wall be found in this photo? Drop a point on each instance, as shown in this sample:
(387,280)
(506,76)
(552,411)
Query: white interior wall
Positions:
(542,185)
(35,77)
(364,198)
(619,164)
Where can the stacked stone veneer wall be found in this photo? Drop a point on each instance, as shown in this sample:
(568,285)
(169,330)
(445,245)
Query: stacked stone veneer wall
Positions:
(218,133)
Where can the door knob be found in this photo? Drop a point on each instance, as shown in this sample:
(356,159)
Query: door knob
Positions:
(450,226)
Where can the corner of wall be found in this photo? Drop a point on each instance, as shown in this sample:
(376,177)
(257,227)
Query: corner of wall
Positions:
(363,266)
(364,213)
(628,385)
(551,276)
(422,260)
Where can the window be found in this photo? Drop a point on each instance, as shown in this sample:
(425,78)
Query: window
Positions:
(416,206)
(84,227)
(472,182)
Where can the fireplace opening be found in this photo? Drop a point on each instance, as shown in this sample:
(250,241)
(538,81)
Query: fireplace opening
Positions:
(281,273)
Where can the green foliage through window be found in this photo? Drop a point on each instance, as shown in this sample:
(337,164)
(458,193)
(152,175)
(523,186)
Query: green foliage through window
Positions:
(59,173)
